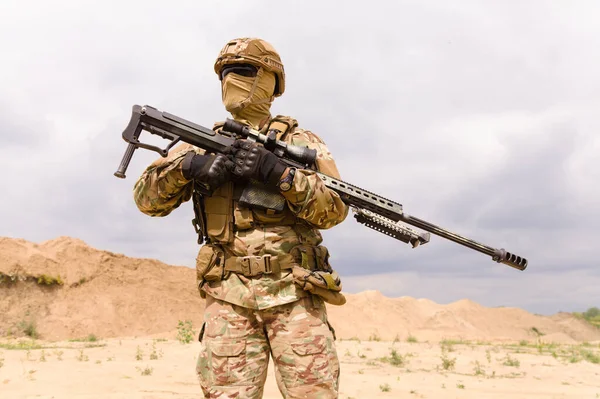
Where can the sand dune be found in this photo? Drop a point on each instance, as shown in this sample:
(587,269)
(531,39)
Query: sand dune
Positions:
(111,295)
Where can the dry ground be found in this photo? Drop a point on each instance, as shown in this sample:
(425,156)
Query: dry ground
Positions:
(164,368)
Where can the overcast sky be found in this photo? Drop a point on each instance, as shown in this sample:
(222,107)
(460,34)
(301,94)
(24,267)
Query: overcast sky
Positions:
(478,116)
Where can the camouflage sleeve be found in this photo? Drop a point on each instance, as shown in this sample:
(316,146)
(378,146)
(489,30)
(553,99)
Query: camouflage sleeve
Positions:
(309,198)
(162,188)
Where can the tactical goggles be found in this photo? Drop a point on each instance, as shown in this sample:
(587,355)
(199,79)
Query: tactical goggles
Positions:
(247,70)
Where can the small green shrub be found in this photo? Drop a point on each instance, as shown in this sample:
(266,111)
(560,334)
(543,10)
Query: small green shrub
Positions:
(478,369)
(447,346)
(82,356)
(45,279)
(89,338)
(29,328)
(395,359)
(592,315)
(185,333)
(9,279)
(145,371)
(374,337)
(537,332)
(139,354)
(153,354)
(590,356)
(385,387)
(511,362)
(447,362)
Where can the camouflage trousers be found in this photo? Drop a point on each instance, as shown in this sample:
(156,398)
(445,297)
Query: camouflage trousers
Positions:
(236,343)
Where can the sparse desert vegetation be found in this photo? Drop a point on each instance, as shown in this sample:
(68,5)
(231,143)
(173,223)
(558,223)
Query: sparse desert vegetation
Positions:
(592,315)
(372,369)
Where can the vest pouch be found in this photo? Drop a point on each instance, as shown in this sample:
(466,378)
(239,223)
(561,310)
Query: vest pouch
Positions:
(312,257)
(323,284)
(243,218)
(209,263)
(315,275)
(322,256)
(210,266)
(219,214)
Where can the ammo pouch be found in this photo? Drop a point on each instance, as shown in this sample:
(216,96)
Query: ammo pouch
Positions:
(326,285)
(209,265)
(315,274)
(219,214)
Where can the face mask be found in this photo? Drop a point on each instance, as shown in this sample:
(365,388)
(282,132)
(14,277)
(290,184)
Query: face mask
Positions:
(248,98)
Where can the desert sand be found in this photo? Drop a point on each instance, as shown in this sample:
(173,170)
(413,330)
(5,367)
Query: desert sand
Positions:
(106,326)
(159,368)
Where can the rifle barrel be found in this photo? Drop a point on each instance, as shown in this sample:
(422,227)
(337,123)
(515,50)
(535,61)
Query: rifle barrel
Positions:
(498,255)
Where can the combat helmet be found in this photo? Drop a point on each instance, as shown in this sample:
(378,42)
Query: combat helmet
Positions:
(255,52)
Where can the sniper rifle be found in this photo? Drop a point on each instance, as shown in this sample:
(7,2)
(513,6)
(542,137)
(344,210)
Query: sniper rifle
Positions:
(372,210)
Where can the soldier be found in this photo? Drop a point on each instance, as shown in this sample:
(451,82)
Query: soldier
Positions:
(263,271)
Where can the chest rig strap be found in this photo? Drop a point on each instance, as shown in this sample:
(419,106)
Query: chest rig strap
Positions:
(199,221)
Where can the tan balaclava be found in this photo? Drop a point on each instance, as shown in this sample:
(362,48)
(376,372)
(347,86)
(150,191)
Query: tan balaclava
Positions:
(249,98)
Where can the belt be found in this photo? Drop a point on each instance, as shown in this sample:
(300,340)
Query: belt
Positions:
(251,266)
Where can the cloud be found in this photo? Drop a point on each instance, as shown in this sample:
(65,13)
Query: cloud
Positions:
(480,118)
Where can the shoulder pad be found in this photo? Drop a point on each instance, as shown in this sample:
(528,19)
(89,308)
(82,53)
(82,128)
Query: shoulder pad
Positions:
(307,136)
(285,124)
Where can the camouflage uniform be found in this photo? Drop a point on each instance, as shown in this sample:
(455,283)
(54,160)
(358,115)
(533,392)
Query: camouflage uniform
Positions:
(249,316)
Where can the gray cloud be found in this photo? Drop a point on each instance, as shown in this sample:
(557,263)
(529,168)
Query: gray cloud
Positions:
(478,117)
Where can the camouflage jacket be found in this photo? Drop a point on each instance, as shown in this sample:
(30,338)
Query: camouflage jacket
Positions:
(310,206)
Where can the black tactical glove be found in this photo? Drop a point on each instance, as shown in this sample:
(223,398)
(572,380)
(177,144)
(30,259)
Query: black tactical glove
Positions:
(213,170)
(253,161)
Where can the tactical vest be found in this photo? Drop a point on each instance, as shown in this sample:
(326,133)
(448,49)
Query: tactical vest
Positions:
(221,214)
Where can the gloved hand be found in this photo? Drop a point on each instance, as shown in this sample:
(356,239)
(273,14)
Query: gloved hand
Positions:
(213,170)
(253,161)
